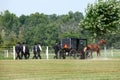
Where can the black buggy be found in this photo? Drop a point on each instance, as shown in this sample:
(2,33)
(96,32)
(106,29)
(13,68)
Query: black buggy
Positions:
(72,47)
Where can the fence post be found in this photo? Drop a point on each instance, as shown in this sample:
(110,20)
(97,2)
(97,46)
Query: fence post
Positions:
(7,53)
(47,56)
(14,52)
(105,52)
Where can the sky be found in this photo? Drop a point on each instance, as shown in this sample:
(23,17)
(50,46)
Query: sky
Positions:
(58,7)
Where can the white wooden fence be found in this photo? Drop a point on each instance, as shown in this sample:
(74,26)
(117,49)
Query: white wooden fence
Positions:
(48,53)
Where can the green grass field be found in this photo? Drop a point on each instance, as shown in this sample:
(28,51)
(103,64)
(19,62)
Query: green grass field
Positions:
(68,69)
(103,68)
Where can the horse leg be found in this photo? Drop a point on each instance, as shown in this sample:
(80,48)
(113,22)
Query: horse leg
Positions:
(98,53)
(91,55)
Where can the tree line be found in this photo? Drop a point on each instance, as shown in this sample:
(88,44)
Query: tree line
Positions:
(46,29)
(102,20)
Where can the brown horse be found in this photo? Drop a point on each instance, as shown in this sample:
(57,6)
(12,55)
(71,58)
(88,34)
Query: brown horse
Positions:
(95,47)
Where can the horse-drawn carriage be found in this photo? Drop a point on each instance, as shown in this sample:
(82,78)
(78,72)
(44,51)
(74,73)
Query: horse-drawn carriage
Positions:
(72,47)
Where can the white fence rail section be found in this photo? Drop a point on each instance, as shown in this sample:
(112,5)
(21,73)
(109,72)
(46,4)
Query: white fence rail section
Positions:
(111,53)
(105,52)
(6,52)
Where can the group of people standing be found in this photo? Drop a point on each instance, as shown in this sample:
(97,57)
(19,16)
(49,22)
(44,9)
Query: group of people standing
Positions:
(22,50)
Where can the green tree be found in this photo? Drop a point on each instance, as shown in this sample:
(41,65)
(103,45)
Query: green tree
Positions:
(10,21)
(102,17)
(37,27)
(69,27)
(10,40)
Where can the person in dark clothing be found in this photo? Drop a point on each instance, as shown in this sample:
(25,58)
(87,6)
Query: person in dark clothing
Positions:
(56,49)
(35,49)
(27,53)
(17,50)
(24,50)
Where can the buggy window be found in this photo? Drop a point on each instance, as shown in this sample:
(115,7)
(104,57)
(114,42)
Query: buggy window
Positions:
(82,44)
(65,42)
(73,43)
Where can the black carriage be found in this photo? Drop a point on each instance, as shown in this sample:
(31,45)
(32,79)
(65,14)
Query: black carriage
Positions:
(72,47)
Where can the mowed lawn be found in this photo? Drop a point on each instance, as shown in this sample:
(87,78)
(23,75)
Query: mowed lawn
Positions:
(60,69)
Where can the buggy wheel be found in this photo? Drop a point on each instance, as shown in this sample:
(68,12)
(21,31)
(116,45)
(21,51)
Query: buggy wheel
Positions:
(73,53)
(61,54)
